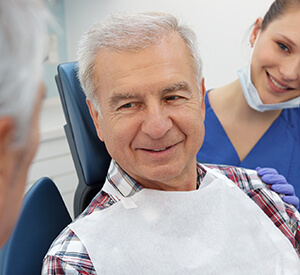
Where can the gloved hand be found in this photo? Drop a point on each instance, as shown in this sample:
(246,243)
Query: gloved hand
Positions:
(279,185)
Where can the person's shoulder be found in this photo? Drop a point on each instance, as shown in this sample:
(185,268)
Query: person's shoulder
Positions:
(292,116)
(67,249)
(246,179)
(252,185)
(295,111)
(67,254)
(292,112)
(283,215)
(62,243)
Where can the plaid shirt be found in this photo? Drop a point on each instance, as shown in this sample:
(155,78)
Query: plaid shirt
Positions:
(67,254)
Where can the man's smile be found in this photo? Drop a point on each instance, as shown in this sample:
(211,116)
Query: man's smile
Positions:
(158,148)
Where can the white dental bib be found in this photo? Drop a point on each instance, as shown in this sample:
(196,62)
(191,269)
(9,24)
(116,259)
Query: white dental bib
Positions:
(216,229)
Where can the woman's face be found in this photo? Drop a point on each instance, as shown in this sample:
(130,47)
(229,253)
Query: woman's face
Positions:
(275,64)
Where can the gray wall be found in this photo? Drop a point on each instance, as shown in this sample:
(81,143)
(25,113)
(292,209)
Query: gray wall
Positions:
(222,27)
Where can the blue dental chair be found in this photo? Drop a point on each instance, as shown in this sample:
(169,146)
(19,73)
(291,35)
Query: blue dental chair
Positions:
(43,216)
(89,154)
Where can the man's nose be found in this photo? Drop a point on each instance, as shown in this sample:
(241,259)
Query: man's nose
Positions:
(156,122)
(290,69)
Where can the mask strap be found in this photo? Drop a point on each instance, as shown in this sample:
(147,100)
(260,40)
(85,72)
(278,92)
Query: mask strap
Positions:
(253,47)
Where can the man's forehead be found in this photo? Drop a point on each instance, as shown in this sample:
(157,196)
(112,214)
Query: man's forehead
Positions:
(126,70)
(126,48)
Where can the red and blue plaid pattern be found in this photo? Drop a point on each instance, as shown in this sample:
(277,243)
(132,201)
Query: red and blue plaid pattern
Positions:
(67,255)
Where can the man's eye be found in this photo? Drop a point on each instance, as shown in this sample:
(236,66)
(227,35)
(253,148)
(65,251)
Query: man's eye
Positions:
(283,47)
(130,107)
(171,98)
(127,105)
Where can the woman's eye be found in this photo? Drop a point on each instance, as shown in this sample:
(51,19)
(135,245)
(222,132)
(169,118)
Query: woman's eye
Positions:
(283,47)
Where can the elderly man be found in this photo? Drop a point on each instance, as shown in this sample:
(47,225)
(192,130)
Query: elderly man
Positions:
(22,35)
(161,212)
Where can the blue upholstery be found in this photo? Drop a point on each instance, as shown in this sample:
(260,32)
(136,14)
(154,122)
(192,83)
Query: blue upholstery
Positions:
(88,152)
(43,216)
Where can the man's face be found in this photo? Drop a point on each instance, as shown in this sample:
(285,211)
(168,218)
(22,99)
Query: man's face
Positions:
(16,163)
(152,113)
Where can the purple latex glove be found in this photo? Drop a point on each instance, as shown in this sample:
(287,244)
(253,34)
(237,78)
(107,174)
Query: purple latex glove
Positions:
(279,185)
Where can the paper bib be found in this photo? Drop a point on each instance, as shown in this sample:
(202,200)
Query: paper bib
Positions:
(214,230)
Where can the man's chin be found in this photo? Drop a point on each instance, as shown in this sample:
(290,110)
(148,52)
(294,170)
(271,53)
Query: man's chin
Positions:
(159,177)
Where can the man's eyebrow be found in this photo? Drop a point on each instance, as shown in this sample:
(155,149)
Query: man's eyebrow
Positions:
(176,87)
(114,99)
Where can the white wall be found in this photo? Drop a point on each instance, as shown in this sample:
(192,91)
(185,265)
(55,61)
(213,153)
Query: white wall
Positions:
(222,27)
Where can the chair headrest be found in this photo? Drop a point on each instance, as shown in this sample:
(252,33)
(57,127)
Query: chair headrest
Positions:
(92,154)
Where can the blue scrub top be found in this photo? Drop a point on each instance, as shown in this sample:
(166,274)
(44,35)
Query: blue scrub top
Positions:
(278,148)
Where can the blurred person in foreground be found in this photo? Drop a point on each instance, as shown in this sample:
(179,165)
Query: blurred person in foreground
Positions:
(22,47)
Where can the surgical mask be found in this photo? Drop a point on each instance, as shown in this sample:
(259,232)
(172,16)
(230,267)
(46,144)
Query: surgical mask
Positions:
(252,96)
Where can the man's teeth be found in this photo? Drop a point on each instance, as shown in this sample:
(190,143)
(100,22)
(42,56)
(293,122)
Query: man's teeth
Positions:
(277,84)
(158,150)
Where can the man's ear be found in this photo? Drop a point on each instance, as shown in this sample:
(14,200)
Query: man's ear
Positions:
(203,90)
(255,31)
(7,129)
(97,119)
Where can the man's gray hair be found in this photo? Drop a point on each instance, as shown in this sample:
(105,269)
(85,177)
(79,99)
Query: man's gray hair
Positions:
(133,32)
(22,36)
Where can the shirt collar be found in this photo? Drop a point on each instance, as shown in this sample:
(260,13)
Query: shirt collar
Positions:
(127,186)
(121,181)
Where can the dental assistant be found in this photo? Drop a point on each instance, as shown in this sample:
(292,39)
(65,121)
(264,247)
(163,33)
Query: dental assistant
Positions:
(255,120)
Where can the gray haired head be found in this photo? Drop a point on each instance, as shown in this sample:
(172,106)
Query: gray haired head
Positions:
(133,32)
(22,33)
